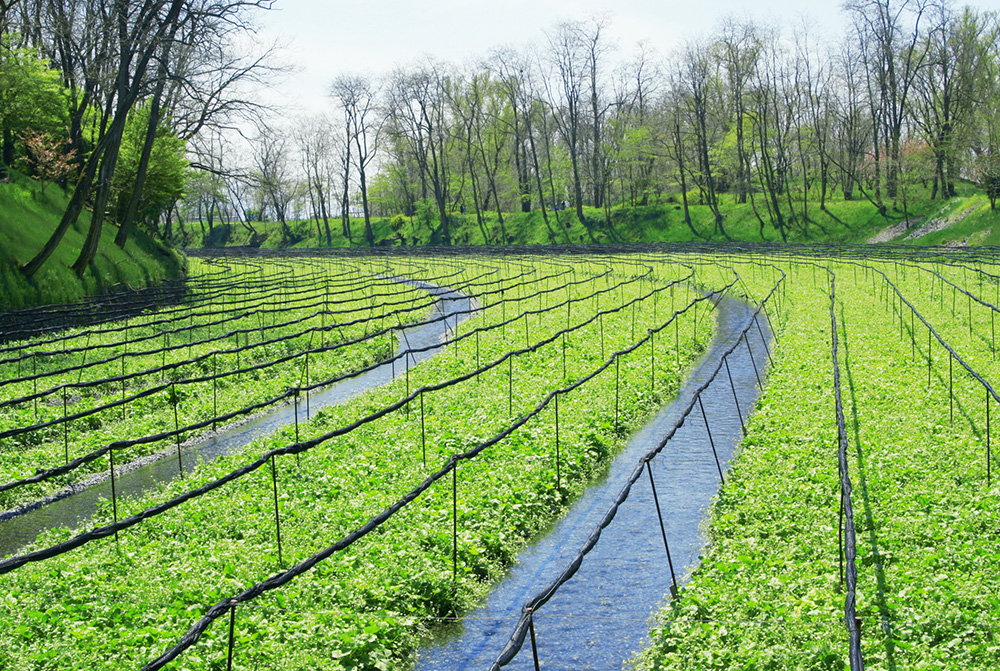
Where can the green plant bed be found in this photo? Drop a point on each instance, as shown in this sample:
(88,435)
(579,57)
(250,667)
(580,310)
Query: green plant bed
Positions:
(46,448)
(767,594)
(366,607)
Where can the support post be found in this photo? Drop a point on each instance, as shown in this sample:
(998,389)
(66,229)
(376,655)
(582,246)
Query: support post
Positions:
(710,440)
(534,643)
(753,361)
(65,427)
(617,377)
(663,531)
(454,520)
(736,400)
(114,494)
(232,633)
(277,519)
(558,473)
(177,435)
(423,435)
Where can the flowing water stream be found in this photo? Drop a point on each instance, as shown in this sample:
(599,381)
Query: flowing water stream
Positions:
(600,618)
(76,508)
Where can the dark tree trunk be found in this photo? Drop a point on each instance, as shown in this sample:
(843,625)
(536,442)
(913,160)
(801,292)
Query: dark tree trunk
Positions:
(369,234)
(90,245)
(125,225)
(577,188)
(168,225)
(8,148)
(679,149)
(70,216)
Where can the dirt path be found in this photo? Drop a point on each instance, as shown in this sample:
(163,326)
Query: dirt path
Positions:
(935,225)
(897,231)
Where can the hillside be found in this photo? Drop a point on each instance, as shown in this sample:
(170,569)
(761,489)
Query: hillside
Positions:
(29,214)
(963,220)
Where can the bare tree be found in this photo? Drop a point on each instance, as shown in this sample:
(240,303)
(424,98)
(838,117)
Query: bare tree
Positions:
(949,88)
(417,105)
(465,100)
(852,127)
(737,48)
(595,49)
(696,68)
(491,136)
(517,77)
(774,121)
(889,32)
(816,80)
(314,140)
(273,176)
(565,90)
(676,120)
(634,127)
(357,95)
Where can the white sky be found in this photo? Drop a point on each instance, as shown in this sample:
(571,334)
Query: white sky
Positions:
(324,38)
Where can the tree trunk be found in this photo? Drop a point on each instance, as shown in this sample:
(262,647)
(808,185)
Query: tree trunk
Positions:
(125,225)
(324,213)
(70,216)
(369,234)
(183,230)
(538,179)
(475,199)
(521,168)
(823,177)
(679,148)
(496,201)
(577,188)
(90,245)
(345,207)
(8,148)
(168,225)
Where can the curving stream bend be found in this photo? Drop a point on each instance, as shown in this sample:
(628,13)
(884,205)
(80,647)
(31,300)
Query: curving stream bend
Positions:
(600,618)
(78,505)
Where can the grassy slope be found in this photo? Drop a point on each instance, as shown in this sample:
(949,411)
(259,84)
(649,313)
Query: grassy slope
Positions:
(842,221)
(974,223)
(27,218)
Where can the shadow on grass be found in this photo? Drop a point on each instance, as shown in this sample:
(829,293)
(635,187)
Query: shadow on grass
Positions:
(880,600)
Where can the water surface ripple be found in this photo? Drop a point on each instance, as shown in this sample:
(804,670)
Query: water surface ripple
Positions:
(600,618)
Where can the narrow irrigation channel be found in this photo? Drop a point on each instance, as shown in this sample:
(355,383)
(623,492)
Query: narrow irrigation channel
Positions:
(78,504)
(600,618)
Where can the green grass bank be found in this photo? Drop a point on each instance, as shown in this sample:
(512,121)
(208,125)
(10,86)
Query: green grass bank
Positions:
(29,213)
(965,219)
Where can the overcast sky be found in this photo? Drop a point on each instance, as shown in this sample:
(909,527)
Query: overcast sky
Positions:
(324,38)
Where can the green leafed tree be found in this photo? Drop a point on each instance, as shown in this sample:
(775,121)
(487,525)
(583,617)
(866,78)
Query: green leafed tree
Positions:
(32,98)
(165,174)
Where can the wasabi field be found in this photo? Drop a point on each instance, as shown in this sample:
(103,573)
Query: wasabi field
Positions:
(855,521)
